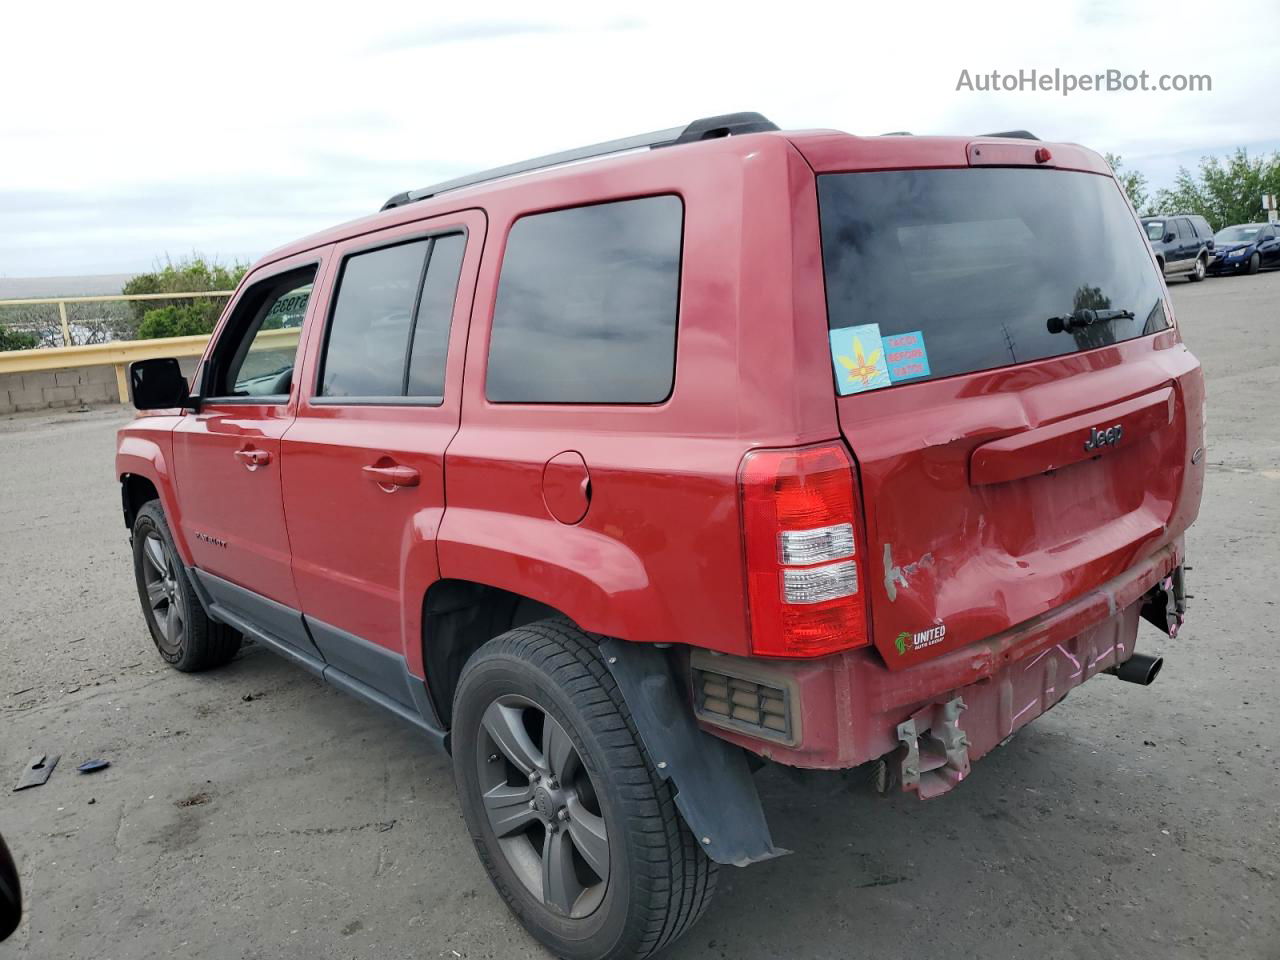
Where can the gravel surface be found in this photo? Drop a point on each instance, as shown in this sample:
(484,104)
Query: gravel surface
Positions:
(253,812)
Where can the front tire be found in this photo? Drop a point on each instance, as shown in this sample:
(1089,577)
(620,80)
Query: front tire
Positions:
(1255,262)
(577,831)
(182,632)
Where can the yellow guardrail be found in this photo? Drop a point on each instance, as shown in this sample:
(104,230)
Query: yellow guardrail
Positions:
(120,353)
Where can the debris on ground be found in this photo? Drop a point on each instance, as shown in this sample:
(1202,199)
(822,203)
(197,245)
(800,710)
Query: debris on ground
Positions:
(195,800)
(38,771)
(93,766)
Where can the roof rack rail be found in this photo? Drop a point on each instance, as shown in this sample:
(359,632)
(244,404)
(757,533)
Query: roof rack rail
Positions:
(1012,135)
(707,128)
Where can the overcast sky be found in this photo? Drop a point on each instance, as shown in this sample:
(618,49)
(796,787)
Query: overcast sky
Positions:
(134,130)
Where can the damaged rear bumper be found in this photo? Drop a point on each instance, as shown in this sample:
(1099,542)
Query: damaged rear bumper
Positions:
(931,721)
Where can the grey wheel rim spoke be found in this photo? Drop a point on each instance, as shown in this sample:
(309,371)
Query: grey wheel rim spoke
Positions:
(508,809)
(506,726)
(156,594)
(557,750)
(560,885)
(590,837)
(154,551)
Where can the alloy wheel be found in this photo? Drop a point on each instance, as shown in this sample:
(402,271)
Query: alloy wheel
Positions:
(163,596)
(542,806)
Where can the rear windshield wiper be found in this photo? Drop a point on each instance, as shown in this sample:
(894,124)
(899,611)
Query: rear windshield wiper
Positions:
(1085,318)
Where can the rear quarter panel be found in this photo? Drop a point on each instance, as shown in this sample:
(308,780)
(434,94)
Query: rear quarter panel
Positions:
(658,555)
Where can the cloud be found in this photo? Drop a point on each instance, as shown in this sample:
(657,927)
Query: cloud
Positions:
(171,129)
(434,36)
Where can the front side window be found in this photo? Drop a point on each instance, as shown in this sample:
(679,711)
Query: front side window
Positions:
(1155,230)
(256,355)
(587,304)
(933,273)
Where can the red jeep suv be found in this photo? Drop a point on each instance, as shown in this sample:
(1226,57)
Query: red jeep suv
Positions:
(618,470)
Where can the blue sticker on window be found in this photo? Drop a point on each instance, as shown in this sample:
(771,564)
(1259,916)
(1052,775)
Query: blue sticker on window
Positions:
(906,356)
(858,356)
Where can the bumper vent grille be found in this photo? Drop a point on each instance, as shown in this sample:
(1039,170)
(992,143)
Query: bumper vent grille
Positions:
(756,708)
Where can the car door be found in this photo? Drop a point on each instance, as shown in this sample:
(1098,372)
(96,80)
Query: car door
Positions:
(227,453)
(1184,244)
(1269,247)
(363,463)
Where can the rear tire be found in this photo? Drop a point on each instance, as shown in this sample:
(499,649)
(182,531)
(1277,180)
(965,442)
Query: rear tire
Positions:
(181,630)
(1255,262)
(1198,271)
(541,732)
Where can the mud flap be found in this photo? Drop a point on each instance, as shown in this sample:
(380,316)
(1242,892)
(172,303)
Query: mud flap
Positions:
(714,789)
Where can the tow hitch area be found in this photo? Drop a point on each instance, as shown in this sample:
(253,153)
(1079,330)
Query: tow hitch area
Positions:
(1165,604)
(935,751)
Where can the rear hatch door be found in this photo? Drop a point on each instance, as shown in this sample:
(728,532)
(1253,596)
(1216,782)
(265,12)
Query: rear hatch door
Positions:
(1008,376)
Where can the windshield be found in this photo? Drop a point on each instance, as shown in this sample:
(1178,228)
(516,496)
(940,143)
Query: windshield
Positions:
(932,273)
(1155,229)
(1242,234)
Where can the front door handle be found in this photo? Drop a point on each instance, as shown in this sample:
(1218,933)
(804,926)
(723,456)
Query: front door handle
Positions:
(252,458)
(389,477)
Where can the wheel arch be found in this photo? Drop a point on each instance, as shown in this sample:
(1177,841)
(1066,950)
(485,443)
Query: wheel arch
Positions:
(458,618)
(142,467)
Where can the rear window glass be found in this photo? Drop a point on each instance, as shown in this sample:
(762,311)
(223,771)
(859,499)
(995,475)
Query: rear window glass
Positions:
(587,304)
(933,273)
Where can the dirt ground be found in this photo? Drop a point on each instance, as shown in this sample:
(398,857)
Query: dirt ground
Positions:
(254,813)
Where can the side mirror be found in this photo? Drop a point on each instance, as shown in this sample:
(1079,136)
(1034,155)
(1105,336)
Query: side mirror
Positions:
(10,893)
(158,384)
(1168,238)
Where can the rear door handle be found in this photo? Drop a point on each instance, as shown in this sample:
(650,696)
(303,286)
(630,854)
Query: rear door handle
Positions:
(252,458)
(392,476)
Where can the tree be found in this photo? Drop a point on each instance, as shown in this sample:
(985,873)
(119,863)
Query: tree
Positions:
(184,317)
(1133,182)
(1224,193)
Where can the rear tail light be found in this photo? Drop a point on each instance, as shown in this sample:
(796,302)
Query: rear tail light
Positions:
(803,582)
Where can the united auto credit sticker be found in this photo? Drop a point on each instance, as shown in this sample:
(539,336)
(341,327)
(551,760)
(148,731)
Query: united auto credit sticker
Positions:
(864,360)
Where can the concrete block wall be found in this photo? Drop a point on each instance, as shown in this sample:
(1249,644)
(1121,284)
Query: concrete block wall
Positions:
(54,389)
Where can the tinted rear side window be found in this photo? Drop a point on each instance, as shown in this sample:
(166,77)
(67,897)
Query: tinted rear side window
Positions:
(369,330)
(587,304)
(932,273)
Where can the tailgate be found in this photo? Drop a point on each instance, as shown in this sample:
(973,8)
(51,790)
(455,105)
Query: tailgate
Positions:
(1026,421)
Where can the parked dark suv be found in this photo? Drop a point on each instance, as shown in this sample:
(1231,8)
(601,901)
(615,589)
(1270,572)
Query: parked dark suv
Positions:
(1183,244)
(620,478)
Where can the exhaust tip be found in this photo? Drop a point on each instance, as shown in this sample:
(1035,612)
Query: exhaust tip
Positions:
(1140,669)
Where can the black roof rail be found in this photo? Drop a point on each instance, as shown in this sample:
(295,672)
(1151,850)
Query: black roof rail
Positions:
(898,133)
(1012,135)
(707,128)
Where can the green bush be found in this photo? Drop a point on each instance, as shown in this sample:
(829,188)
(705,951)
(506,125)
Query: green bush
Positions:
(179,318)
(186,320)
(17,340)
